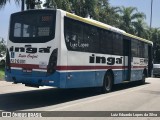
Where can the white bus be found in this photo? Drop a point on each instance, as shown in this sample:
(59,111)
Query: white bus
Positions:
(60,49)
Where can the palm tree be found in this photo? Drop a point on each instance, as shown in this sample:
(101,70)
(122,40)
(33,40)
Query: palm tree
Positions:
(105,13)
(155,37)
(58,4)
(128,16)
(30,4)
(140,27)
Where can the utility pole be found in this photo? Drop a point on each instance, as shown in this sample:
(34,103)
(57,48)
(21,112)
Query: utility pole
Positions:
(154,42)
(151,14)
(22,6)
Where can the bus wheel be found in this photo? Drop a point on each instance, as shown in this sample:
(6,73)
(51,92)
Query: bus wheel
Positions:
(107,83)
(143,78)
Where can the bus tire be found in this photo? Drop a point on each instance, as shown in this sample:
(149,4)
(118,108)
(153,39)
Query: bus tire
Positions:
(143,78)
(107,83)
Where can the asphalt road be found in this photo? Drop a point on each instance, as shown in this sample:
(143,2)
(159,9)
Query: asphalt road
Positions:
(127,97)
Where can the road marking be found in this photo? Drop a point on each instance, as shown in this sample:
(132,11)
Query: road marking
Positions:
(88,100)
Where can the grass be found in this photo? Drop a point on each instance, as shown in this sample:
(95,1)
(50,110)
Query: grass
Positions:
(1,72)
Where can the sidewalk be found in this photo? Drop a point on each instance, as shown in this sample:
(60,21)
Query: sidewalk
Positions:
(4,83)
(1,79)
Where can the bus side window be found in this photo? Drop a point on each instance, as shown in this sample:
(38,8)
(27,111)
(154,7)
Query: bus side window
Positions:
(117,44)
(67,29)
(73,34)
(106,42)
(146,50)
(67,32)
(141,49)
(91,37)
(134,47)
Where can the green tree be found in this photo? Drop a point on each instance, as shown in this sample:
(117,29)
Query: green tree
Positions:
(2,46)
(140,28)
(96,9)
(30,4)
(83,8)
(155,38)
(147,33)
(58,4)
(4,2)
(128,16)
(108,15)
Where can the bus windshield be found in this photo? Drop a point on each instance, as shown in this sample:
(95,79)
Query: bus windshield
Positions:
(32,26)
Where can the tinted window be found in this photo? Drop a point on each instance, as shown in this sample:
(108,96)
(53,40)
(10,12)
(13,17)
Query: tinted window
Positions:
(80,36)
(134,48)
(73,35)
(141,49)
(117,44)
(106,42)
(32,26)
(91,37)
(146,51)
(83,37)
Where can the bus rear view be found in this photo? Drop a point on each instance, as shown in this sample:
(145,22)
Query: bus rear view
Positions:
(32,48)
(60,49)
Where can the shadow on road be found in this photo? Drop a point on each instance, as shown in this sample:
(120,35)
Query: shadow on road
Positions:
(46,97)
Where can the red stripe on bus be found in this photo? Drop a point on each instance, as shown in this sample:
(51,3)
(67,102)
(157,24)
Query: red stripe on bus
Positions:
(26,66)
(33,66)
(94,67)
(139,66)
(88,67)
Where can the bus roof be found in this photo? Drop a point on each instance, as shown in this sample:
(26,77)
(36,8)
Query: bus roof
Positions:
(94,22)
(105,26)
(139,38)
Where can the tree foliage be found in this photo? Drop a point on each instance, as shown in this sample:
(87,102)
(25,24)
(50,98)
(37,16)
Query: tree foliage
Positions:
(2,46)
(130,19)
(4,2)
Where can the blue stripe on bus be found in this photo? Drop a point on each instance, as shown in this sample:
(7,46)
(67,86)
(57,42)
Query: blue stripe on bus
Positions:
(70,79)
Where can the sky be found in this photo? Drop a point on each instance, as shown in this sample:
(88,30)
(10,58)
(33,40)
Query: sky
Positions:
(5,16)
(142,6)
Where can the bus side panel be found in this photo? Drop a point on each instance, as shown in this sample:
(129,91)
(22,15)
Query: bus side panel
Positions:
(118,75)
(62,55)
(63,78)
(136,74)
(79,70)
(137,68)
(99,77)
(80,79)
